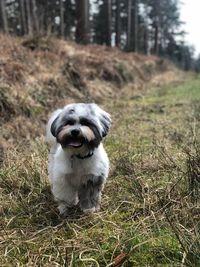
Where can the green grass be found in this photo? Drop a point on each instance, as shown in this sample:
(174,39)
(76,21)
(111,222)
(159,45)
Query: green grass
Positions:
(150,206)
(186,92)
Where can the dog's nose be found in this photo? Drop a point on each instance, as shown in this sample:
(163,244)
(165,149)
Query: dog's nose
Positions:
(75,132)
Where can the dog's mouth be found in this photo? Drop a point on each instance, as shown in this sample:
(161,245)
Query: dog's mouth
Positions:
(74,142)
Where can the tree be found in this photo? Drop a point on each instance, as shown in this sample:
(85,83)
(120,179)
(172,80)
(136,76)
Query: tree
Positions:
(69,18)
(29,17)
(129,19)
(82,26)
(117,24)
(145,33)
(102,22)
(164,22)
(4,16)
(62,26)
(155,16)
(35,16)
(187,54)
(108,4)
(135,26)
(23,25)
(197,64)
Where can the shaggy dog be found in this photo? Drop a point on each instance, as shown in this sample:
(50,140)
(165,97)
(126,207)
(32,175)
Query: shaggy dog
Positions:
(78,163)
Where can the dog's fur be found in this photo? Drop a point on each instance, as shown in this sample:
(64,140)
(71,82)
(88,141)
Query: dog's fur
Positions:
(78,163)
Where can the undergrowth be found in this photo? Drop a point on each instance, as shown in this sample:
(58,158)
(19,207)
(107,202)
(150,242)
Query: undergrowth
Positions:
(150,205)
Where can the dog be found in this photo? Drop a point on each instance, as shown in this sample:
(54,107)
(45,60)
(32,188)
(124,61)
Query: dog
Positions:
(78,163)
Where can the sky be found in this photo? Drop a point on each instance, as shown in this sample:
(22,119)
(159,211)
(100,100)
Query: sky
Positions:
(190,14)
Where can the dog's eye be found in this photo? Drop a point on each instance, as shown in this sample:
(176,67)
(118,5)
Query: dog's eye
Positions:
(84,122)
(70,122)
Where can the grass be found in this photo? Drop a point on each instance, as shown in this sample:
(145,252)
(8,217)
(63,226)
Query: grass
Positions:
(150,207)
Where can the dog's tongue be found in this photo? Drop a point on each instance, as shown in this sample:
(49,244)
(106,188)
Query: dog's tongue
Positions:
(75,143)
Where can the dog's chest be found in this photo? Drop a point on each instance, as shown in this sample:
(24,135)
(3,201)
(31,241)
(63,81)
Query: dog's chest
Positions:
(79,171)
(76,170)
(82,166)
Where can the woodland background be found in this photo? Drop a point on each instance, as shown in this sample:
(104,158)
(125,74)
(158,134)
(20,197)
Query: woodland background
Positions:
(144,26)
(119,55)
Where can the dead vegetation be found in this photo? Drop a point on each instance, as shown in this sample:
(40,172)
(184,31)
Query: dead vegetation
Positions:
(150,209)
(42,73)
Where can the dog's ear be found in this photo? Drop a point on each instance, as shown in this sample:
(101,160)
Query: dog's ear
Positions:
(54,126)
(105,121)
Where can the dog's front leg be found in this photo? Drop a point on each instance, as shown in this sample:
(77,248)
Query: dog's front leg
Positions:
(64,193)
(90,193)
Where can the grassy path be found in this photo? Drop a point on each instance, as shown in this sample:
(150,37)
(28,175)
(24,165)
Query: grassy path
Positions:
(150,210)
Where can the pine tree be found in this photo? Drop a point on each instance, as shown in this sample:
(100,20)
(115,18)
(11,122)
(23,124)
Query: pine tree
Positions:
(82,26)
(117,24)
(108,4)
(129,22)
(23,25)
(165,23)
(135,26)
(69,18)
(29,17)
(62,26)
(35,17)
(3,13)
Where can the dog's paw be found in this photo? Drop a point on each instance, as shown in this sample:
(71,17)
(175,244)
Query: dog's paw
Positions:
(88,211)
(63,209)
(91,210)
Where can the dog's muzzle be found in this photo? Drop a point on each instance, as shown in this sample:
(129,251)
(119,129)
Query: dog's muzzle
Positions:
(72,138)
(76,140)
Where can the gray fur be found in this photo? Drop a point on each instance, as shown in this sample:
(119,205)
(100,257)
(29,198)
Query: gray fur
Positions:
(78,163)
(90,193)
(92,112)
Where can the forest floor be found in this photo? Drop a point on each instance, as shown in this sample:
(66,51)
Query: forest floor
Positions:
(150,204)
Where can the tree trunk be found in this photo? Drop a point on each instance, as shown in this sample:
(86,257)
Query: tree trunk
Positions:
(135,27)
(108,22)
(23,27)
(35,17)
(29,18)
(156,49)
(4,16)
(82,12)
(117,24)
(129,19)
(146,40)
(67,21)
(62,25)
(146,33)
(157,27)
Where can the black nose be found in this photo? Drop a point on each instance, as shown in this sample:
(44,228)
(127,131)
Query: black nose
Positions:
(75,132)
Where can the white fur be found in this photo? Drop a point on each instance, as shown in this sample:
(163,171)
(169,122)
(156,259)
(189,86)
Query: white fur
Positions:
(67,173)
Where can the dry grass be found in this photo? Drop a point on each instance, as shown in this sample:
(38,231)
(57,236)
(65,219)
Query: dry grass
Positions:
(39,74)
(150,208)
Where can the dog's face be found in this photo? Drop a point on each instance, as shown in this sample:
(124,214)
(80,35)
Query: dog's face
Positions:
(80,126)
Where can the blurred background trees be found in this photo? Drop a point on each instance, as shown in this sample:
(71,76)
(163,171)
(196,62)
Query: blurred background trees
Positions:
(143,26)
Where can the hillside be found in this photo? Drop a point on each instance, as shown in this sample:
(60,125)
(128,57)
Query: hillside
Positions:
(41,74)
(150,204)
